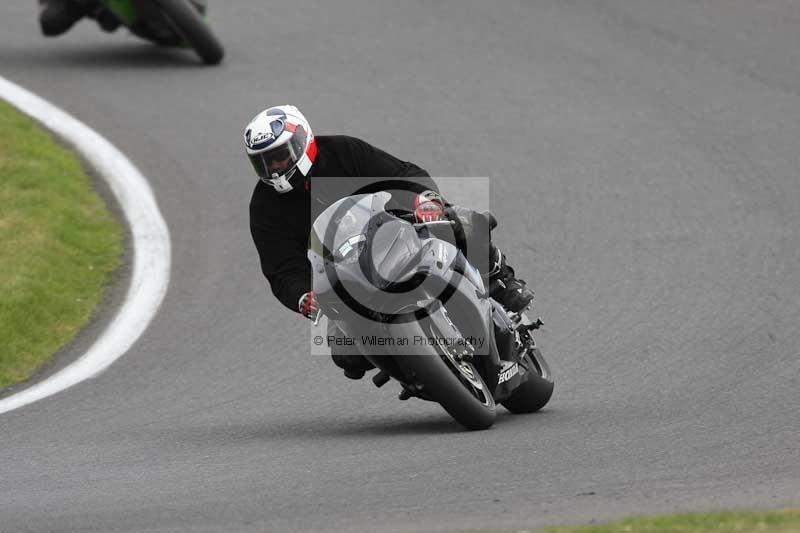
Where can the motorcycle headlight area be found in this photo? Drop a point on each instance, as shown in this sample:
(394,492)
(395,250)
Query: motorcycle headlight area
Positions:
(350,250)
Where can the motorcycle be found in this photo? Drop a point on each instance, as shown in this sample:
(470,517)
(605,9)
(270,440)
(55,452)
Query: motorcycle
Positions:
(165,22)
(414,306)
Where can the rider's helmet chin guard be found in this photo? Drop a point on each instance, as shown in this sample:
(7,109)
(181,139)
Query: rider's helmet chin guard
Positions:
(279,143)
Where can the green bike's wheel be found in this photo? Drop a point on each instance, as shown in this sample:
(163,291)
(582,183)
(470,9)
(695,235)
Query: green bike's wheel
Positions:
(190,24)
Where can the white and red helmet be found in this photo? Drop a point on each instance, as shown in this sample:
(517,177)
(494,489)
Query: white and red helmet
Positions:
(277,134)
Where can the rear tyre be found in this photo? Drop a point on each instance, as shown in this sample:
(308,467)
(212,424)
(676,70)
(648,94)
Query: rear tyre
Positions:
(190,24)
(537,388)
(457,386)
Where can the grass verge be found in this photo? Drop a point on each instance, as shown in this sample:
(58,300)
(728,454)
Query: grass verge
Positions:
(785,521)
(59,245)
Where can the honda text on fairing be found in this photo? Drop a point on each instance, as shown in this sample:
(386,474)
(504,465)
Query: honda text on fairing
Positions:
(419,311)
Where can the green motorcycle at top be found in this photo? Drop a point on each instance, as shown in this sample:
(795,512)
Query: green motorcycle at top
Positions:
(169,23)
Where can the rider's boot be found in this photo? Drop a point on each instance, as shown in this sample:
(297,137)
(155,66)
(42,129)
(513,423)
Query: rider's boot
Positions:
(354,366)
(347,357)
(504,287)
(58,16)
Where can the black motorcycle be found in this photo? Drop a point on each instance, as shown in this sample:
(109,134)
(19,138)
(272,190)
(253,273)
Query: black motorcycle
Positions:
(413,305)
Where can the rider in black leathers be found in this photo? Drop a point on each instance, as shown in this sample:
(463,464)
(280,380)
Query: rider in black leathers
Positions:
(280,145)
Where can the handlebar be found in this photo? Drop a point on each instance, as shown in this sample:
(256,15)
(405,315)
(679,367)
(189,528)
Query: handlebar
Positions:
(435,223)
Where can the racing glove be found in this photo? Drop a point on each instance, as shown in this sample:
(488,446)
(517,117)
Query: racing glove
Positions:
(308,305)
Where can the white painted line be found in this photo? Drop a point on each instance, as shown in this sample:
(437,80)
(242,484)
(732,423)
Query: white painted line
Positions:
(151,245)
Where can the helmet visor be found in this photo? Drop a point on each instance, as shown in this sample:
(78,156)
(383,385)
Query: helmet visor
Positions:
(279,161)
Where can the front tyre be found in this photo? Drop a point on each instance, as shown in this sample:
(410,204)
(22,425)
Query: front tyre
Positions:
(189,23)
(456,385)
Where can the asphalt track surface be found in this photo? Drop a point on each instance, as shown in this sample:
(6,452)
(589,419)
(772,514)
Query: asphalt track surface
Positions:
(645,168)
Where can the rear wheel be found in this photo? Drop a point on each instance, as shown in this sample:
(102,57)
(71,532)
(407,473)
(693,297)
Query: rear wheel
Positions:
(537,387)
(193,28)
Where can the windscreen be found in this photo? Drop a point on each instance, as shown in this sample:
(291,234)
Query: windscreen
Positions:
(354,224)
(339,232)
(394,249)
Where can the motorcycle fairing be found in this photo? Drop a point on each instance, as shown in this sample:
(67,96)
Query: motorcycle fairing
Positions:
(398,274)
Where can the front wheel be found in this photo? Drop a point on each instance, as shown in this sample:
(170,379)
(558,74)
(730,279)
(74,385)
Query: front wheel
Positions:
(454,384)
(189,23)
